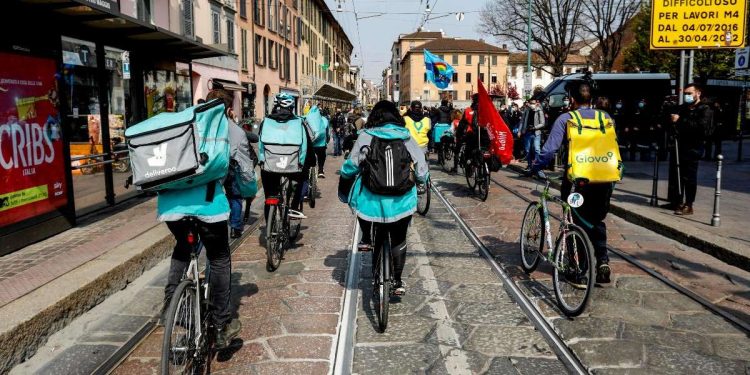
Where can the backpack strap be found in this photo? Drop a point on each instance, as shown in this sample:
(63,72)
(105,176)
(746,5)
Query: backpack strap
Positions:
(577,117)
(210,191)
(600,117)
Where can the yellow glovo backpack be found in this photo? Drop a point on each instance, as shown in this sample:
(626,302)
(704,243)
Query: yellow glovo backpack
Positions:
(593,152)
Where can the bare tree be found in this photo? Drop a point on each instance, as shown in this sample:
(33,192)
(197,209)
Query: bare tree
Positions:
(554,26)
(606,20)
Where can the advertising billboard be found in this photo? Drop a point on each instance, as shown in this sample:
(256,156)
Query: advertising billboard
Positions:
(32,169)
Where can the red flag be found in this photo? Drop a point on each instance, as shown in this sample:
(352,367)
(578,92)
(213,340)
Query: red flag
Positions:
(501,140)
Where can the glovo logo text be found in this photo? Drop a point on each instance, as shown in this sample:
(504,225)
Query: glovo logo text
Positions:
(584,158)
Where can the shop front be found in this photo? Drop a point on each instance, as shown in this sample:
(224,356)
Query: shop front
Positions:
(67,93)
(331,96)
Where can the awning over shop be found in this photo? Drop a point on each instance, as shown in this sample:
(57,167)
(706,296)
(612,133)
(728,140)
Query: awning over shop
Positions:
(227,85)
(333,93)
(101,20)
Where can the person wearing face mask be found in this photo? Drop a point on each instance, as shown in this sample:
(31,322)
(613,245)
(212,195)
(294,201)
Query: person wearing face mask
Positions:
(644,129)
(692,123)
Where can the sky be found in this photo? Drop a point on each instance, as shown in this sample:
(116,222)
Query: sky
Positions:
(375,35)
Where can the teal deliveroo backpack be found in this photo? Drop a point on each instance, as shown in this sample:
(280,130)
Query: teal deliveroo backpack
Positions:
(180,150)
(283,145)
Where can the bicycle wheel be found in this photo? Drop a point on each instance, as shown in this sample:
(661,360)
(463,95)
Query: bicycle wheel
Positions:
(178,350)
(312,190)
(470,170)
(384,285)
(483,181)
(293,226)
(532,237)
(447,157)
(423,201)
(274,239)
(573,279)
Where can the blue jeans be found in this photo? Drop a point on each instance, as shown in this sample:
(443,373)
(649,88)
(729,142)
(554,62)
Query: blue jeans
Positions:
(337,144)
(235,213)
(530,139)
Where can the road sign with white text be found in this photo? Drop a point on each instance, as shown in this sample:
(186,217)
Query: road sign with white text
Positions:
(688,24)
(741,58)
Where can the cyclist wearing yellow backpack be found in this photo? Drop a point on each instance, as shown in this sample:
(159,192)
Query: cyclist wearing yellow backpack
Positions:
(588,139)
(418,124)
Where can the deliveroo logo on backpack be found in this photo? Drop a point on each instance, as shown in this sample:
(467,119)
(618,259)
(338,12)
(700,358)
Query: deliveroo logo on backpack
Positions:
(159,160)
(160,156)
(585,158)
(283,162)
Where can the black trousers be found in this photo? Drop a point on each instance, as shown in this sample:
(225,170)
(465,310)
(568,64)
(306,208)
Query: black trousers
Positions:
(397,232)
(320,154)
(272,187)
(689,160)
(594,209)
(215,238)
(674,196)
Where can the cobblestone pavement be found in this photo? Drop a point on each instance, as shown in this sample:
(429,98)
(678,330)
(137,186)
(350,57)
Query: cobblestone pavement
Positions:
(636,324)
(456,317)
(290,317)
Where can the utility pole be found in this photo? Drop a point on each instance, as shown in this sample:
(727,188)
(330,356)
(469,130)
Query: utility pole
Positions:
(528,53)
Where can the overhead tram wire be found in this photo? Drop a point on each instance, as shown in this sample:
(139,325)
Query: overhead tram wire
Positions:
(359,40)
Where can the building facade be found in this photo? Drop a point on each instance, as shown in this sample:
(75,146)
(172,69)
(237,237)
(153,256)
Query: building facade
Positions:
(472,60)
(541,75)
(399,49)
(325,57)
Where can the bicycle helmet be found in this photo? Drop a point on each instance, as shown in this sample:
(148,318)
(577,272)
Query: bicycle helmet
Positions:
(283,100)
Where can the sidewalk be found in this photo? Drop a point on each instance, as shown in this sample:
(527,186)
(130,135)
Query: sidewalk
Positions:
(730,242)
(45,286)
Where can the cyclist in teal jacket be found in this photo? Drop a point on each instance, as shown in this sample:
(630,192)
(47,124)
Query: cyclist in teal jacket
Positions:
(212,215)
(390,214)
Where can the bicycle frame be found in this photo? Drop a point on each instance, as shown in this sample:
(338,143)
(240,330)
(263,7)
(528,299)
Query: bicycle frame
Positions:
(192,273)
(566,219)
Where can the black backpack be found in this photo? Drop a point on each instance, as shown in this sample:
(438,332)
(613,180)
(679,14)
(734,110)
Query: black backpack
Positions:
(386,169)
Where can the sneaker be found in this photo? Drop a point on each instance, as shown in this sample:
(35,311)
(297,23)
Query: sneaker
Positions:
(575,281)
(225,334)
(321,175)
(399,288)
(364,247)
(294,214)
(236,233)
(603,274)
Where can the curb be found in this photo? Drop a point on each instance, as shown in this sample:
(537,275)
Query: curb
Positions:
(694,240)
(21,341)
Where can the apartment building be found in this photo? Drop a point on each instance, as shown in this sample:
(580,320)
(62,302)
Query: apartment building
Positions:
(471,59)
(325,51)
(399,49)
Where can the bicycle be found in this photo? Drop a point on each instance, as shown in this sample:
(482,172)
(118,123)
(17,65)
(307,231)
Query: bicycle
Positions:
(423,197)
(186,342)
(279,229)
(312,190)
(571,256)
(478,173)
(445,157)
(382,276)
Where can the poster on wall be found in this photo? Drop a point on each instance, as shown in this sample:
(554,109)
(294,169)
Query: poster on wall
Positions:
(32,169)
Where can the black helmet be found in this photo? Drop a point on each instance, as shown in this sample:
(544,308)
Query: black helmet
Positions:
(416,105)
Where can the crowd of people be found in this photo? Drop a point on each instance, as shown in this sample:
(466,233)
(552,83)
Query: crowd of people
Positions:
(689,132)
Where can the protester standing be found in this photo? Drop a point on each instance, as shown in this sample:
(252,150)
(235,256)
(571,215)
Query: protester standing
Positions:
(691,124)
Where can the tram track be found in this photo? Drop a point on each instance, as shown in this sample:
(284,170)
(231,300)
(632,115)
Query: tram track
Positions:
(564,353)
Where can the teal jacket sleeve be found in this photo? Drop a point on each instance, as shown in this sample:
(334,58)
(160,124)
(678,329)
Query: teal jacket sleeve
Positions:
(350,169)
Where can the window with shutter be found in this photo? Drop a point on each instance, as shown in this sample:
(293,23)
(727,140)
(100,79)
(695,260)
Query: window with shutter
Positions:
(187,18)
(216,27)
